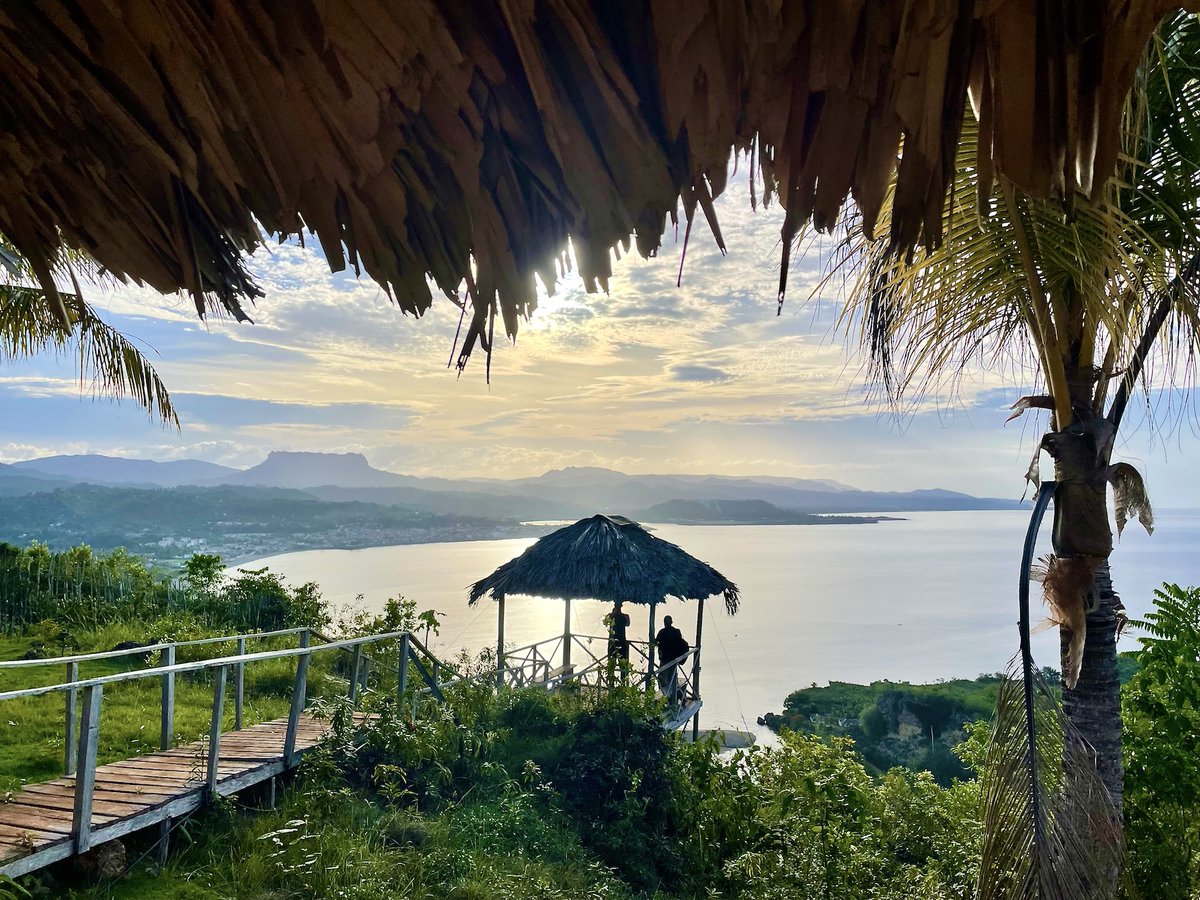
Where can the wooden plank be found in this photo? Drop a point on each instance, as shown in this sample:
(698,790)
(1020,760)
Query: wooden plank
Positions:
(214,733)
(16,833)
(166,728)
(23,821)
(239,689)
(107,808)
(85,781)
(72,702)
(133,794)
(299,698)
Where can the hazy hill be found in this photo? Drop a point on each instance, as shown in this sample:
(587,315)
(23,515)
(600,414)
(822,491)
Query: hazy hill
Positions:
(97,469)
(304,470)
(14,481)
(739,512)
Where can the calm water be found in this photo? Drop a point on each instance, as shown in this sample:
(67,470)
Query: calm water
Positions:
(930,597)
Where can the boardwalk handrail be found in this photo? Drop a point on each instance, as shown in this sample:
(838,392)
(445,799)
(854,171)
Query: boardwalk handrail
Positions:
(82,748)
(144,648)
(195,665)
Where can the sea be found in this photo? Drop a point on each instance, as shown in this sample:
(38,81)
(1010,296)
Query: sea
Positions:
(932,596)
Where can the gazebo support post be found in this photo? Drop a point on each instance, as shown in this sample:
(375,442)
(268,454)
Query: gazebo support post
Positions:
(567,636)
(650,654)
(696,668)
(500,645)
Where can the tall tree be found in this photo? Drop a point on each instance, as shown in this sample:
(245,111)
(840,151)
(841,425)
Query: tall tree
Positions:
(34,320)
(1090,304)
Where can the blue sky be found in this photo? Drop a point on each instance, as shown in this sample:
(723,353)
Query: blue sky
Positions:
(702,378)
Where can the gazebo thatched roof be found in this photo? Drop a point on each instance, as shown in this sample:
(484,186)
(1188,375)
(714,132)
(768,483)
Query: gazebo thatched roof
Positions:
(607,558)
(468,139)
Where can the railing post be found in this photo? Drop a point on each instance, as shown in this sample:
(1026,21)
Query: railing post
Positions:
(355,662)
(566,650)
(304,637)
(166,733)
(500,645)
(85,779)
(72,741)
(239,686)
(366,673)
(299,698)
(402,673)
(650,655)
(696,669)
(214,731)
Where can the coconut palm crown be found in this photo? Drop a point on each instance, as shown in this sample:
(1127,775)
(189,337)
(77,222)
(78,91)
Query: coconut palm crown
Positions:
(1098,299)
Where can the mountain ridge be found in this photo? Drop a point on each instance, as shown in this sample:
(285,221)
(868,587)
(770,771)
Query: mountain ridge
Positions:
(558,493)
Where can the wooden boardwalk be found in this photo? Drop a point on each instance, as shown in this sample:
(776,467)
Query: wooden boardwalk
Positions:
(136,793)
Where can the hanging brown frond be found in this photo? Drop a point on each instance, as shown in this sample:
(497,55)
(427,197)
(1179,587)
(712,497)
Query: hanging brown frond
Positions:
(423,141)
(1065,583)
(1130,497)
(1050,829)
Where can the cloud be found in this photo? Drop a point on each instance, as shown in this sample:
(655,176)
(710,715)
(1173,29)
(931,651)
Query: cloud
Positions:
(705,374)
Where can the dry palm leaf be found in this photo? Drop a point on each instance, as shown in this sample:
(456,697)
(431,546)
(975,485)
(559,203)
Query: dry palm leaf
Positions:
(1129,497)
(1050,829)
(1065,582)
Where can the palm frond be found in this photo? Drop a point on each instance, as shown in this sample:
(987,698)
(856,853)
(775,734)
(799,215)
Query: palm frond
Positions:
(109,364)
(1054,834)
(1020,281)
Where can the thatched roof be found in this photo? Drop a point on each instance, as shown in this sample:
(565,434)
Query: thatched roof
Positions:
(607,558)
(468,139)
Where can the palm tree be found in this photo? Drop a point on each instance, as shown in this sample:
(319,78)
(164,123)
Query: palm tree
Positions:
(34,320)
(1095,302)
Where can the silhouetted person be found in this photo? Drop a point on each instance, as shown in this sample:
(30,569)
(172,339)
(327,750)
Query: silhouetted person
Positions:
(618,643)
(671,645)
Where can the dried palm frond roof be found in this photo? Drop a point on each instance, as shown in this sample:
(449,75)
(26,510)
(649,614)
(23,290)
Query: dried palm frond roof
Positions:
(607,558)
(468,139)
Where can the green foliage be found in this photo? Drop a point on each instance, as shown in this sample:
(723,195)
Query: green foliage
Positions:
(81,590)
(1161,711)
(895,723)
(827,828)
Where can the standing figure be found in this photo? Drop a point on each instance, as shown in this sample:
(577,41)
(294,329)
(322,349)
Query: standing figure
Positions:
(618,643)
(671,645)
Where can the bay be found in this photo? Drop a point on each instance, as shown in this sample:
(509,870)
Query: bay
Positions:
(932,596)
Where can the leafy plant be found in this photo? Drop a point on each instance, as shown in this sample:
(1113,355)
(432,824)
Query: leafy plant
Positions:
(1161,709)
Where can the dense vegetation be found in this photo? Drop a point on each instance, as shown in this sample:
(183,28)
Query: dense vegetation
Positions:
(81,590)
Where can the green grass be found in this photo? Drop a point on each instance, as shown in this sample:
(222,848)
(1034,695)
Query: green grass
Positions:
(32,730)
(345,844)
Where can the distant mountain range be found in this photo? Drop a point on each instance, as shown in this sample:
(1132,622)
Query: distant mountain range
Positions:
(292,501)
(557,494)
(93,468)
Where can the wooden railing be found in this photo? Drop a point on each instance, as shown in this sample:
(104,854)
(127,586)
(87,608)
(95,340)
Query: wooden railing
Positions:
(540,665)
(83,762)
(167,657)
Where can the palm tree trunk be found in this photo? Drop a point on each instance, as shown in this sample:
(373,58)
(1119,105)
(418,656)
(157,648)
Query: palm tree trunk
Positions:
(1093,706)
(1081,455)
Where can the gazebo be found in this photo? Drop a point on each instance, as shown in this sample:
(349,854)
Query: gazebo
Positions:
(609,558)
